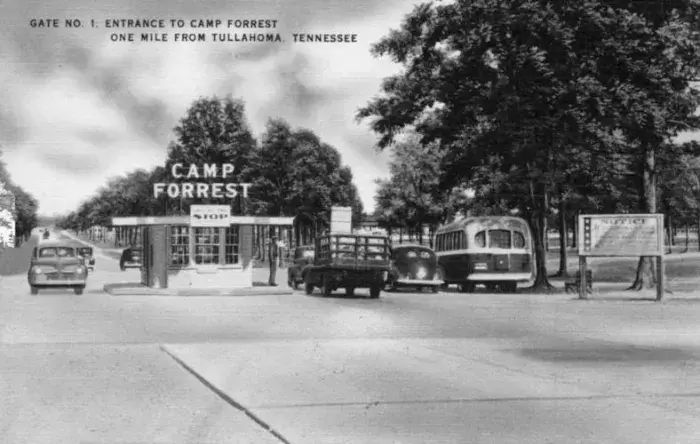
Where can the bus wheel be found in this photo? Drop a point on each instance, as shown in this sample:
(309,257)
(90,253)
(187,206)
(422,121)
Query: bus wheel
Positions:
(509,287)
(309,288)
(374,291)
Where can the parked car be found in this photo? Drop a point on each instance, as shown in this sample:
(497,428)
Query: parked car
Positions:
(413,266)
(348,261)
(303,257)
(88,256)
(132,257)
(56,265)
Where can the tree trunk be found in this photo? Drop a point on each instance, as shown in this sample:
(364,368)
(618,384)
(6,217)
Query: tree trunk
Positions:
(645,276)
(539,227)
(563,235)
(687,235)
(574,232)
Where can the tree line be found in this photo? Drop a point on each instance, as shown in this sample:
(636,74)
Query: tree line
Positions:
(292,172)
(26,206)
(543,109)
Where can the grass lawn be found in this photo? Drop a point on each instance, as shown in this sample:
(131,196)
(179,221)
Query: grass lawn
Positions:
(682,269)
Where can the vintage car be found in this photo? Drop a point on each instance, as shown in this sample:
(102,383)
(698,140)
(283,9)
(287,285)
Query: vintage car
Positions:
(88,256)
(56,265)
(348,261)
(413,266)
(303,257)
(131,258)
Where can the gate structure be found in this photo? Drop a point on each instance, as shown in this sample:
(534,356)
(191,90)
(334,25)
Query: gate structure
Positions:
(621,235)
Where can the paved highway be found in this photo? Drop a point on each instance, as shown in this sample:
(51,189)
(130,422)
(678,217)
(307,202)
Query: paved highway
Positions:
(408,367)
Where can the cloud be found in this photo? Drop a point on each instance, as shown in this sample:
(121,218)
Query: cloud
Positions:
(76,101)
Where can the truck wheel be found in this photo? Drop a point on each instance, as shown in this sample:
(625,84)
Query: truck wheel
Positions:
(434,289)
(349,291)
(467,287)
(441,276)
(34,289)
(78,290)
(374,292)
(325,286)
(308,288)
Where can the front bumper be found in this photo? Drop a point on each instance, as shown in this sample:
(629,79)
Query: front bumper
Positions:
(56,282)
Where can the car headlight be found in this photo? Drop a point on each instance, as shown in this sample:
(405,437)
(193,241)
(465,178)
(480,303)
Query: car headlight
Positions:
(36,270)
(80,269)
(421,273)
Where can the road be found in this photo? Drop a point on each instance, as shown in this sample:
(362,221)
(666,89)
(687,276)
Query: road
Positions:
(409,367)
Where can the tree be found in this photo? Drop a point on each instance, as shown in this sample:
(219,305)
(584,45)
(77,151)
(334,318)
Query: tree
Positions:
(215,131)
(26,206)
(521,93)
(412,196)
(295,173)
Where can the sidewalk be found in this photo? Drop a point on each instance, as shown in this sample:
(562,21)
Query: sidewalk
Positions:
(138,289)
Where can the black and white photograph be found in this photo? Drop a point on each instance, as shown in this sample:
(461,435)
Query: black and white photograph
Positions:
(370,221)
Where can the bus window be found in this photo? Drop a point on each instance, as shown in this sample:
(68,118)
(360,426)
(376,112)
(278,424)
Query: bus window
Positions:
(518,240)
(480,239)
(499,239)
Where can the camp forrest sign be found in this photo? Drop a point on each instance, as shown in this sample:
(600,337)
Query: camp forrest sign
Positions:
(189,185)
(621,235)
(210,215)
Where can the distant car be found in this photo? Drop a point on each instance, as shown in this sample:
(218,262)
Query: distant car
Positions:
(413,266)
(88,256)
(46,234)
(303,256)
(132,257)
(56,265)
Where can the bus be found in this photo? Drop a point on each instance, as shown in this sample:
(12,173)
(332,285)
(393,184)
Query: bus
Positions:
(495,251)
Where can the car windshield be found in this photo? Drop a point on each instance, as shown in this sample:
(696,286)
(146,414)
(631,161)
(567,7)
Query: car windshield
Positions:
(85,251)
(56,252)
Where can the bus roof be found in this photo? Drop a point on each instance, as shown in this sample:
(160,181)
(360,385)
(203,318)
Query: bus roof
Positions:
(496,221)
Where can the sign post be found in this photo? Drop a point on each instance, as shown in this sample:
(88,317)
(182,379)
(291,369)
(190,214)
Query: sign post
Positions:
(621,235)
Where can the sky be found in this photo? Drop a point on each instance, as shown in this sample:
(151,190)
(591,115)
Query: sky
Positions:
(77,108)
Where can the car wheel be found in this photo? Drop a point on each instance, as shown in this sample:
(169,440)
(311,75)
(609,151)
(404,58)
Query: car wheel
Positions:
(434,289)
(374,292)
(295,284)
(349,291)
(78,290)
(122,267)
(309,288)
(34,289)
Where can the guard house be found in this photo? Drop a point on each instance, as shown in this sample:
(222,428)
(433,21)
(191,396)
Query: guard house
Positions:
(210,248)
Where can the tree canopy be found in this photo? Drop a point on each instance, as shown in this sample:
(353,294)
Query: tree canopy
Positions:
(532,99)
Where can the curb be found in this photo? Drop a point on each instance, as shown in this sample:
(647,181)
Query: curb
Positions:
(136,289)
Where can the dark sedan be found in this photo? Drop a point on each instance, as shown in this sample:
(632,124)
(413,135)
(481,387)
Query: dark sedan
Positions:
(413,266)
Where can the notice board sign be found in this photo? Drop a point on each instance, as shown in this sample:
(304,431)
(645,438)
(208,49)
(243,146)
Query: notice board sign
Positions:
(621,235)
(210,215)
